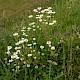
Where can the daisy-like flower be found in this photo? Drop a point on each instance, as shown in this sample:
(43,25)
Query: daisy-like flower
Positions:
(8,52)
(10,60)
(42,11)
(36,67)
(24,33)
(30,16)
(34,29)
(28,28)
(34,43)
(39,8)
(14,56)
(40,20)
(28,65)
(52,48)
(49,7)
(9,48)
(42,47)
(22,41)
(31,23)
(53,22)
(23,30)
(49,45)
(35,57)
(48,16)
(34,39)
(16,48)
(29,55)
(42,54)
(35,10)
(29,45)
(15,34)
(48,42)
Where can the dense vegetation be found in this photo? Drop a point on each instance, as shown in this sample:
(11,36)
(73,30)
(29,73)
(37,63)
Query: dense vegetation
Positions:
(43,43)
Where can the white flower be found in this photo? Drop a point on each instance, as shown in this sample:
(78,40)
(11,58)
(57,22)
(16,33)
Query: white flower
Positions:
(42,54)
(17,67)
(29,45)
(16,48)
(33,26)
(31,23)
(39,8)
(49,7)
(42,47)
(40,20)
(30,16)
(14,56)
(35,10)
(34,38)
(28,65)
(54,21)
(10,60)
(29,55)
(9,48)
(39,28)
(34,29)
(48,16)
(52,48)
(21,42)
(15,34)
(33,50)
(36,67)
(29,28)
(18,51)
(49,45)
(8,52)
(25,40)
(34,43)
(35,57)
(41,15)
(23,30)
(44,19)
(42,11)
(77,47)
(24,33)
(46,10)
(48,42)
(50,12)
(50,23)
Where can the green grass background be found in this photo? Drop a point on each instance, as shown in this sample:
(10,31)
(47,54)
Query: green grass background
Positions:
(68,24)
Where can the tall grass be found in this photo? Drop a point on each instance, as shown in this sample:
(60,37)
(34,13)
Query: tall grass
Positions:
(50,51)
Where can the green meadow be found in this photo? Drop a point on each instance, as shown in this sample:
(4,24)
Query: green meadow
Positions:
(40,40)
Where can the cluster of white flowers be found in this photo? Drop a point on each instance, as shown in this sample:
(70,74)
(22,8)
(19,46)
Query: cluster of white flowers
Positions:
(49,44)
(30,43)
(44,15)
(42,47)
